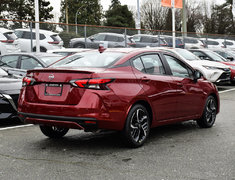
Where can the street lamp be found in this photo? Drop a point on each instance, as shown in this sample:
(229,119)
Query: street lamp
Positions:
(138,16)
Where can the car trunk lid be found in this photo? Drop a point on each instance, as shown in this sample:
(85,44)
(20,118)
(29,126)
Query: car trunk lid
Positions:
(54,87)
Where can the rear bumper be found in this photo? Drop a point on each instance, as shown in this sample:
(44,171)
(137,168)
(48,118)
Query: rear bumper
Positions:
(84,123)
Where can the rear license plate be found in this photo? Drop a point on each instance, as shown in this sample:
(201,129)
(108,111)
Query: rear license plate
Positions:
(53,89)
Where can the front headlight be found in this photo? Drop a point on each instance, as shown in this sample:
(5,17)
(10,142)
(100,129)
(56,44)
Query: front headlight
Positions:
(232,67)
(210,67)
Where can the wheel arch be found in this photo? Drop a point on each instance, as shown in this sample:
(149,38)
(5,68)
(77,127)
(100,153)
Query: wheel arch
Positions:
(217,101)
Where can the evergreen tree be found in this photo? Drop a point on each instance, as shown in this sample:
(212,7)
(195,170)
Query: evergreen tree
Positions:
(24,10)
(119,15)
(88,11)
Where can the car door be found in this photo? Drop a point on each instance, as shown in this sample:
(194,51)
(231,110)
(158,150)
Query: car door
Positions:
(112,41)
(96,40)
(152,76)
(189,95)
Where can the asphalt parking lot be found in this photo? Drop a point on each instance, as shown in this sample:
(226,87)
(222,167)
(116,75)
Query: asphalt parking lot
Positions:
(175,152)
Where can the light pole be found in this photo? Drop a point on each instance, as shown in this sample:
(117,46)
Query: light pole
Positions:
(138,16)
(37,25)
(76,21)
(184,21)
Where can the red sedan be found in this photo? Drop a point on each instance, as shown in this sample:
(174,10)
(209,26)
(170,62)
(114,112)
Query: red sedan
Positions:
(128,90)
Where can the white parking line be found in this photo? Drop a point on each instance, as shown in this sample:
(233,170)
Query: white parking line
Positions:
(227,90)
(15,127)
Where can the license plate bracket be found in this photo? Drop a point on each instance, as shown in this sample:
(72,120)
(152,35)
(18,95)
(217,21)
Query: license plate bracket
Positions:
(53,89)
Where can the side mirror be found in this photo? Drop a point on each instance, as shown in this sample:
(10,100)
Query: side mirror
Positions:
(92,38)
(230,58)
(196,75)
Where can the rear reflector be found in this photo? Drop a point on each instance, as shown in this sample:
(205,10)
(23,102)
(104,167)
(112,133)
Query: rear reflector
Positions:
(7,41)
(54,42)
(90,122)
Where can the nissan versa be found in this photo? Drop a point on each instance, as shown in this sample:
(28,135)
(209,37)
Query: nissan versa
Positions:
(128,90)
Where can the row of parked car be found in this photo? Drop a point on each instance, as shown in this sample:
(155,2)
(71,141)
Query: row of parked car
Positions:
(124,89)
(20,40)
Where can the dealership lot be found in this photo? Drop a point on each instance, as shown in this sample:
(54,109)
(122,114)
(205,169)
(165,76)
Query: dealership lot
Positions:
(181,151)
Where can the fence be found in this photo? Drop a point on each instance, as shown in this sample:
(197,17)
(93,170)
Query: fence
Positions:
(69,31)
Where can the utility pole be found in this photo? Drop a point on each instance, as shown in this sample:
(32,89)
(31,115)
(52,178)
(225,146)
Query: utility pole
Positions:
(37,25)
(138,16)
(184,20)
(67,15)
(173,22)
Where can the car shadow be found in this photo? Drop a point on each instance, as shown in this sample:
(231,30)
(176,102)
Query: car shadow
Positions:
(97,142)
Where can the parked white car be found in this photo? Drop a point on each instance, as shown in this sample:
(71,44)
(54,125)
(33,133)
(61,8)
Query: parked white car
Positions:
(212,43)
(67,51)
(48,40)
(213,71)
(8,41)
(192,43)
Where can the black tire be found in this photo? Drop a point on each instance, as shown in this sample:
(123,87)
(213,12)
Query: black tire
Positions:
(42,49)
(53,131)
(137,126)
(79,45)
(209,113)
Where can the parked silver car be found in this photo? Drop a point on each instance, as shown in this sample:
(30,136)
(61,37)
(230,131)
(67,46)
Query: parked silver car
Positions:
(111,40)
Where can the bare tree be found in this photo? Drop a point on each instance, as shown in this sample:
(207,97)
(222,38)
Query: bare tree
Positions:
(153,15)
(156,17)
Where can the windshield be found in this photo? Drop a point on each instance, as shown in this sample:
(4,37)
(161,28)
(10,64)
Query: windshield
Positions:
(215,57)
(50,59)
(187,55)
(89,59)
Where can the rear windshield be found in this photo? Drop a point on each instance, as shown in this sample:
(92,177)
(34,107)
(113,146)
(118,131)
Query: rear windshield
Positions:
(10,36)
(215,57)
(50,59)
(56,37)
(89,59)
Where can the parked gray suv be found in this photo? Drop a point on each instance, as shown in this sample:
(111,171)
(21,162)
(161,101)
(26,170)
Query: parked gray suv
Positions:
(113,40)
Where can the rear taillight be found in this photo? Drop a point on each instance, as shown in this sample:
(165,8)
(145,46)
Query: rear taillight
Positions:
(99,84)
(131,44)
(27,81)
(7,41)
(53,42)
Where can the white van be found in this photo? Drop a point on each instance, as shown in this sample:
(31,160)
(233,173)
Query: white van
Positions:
(8,42)
(48,40)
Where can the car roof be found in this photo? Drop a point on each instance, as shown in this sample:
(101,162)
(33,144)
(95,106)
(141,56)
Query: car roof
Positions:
(116,34)
(35,54)
(4,30)
(40,30)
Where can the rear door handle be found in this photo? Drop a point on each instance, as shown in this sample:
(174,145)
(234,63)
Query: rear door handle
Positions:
(145,79)
(179,84)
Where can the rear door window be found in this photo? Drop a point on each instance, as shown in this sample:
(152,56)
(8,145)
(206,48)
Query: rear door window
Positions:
(27,35)
(111,38)
(150,64)
(28,62)
(9,61)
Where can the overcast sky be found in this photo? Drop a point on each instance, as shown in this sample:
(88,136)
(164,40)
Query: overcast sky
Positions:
(106,4)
